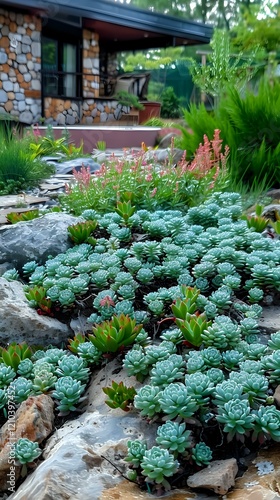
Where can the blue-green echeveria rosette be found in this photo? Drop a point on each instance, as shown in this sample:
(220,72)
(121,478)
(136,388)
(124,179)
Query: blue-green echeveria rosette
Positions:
(147,400)
(175,401)
(26,451)
(135,452)
(237,419)
(174,437)
(157,464)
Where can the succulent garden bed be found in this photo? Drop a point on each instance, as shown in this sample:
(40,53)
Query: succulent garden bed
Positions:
(170,279)
(176,297)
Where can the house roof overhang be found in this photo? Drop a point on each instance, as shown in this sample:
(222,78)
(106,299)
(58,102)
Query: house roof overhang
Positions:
(121,27)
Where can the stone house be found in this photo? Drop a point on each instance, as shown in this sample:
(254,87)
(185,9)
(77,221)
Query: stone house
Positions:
(58,58)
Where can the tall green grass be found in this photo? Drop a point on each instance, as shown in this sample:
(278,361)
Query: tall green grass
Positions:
(17,170)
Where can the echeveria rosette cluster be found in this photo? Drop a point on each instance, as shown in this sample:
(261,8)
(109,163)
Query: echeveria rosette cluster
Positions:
(237,419)
(26,451)
(157,464)
(22,388)
(226,391)
(135,363)
(199,387)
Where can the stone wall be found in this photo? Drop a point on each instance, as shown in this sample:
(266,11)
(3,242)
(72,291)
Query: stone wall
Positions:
(20,77)
(100,111)
(62,112)
(20,66)
(86,112)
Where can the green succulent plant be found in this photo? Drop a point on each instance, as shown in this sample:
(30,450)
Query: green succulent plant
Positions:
(192,328)
(167,371)
(147,400)
(21,388)
(26,451)
(266,424)
(274,341)
(201,454)
(54,355)
(222,333)
(232,358)
(135,452)
(25,368)
(89,353)
(174,437)
(111,336)
(199,387)
(71,365)
(119,395)
(68,391)
(271,363)
(157,464)
(175,401)
(236,418)
(226,391)
(43,381)
(82,231)
(11,275)
(256,387)
(14,354)
(7,375)
(135,363)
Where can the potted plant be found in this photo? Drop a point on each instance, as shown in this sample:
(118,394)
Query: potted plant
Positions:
(130,100)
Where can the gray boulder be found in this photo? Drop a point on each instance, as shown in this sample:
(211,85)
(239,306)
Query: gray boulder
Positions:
(20,323)
(35,239)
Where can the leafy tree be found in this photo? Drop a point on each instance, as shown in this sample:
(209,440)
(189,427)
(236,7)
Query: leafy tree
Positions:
(254,29)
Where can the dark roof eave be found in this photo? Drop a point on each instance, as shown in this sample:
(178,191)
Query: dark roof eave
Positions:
(122,15)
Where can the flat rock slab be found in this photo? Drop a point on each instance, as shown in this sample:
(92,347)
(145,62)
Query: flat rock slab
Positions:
(12,200)
(219,476)
(52,187)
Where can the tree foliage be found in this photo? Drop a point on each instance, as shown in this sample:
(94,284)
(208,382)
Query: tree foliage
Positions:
(254,30)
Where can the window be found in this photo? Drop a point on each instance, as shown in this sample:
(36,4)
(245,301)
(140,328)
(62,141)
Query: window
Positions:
(60,65)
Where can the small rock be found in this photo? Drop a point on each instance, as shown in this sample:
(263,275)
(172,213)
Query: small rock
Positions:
(219,476)
(34,421)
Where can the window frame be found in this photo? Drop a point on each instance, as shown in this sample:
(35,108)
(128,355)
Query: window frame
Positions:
(62,34)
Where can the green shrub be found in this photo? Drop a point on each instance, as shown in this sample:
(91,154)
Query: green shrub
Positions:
(249,125)
(170,104)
